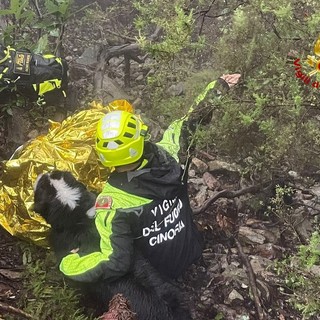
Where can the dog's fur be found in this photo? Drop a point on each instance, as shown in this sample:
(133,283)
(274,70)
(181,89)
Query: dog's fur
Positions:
(68,207)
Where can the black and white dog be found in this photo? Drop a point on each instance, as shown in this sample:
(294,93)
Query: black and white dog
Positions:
(69,208)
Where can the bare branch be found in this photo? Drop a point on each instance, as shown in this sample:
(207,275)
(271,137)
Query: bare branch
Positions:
(120,35)
(36,5)
(204,14)
(232,194)
(14,310)
(252,281)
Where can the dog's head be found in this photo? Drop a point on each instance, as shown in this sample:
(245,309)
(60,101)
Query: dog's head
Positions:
(62,200)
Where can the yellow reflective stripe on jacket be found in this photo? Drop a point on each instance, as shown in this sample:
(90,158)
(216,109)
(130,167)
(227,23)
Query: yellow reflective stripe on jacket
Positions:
(203,94)
(88,268)
(73,264)
(171,137)
(122,199)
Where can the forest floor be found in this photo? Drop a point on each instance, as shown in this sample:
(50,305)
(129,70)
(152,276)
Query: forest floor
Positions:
(238,277)
(221,285)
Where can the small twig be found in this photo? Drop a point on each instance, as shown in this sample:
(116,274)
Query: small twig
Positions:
(81,9)
(57,51)
(252,280)
(207,155)
(14,310)
(126,71)
(120,35)
(205,12)
(36,5)
(230,194)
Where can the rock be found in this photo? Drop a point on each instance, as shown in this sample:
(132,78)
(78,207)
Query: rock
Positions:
(196,182)
(176,89)
(33,134)
(315,190)
(315,270)
(200,165)
(250,236)
(79,71)
(115,61)
(210,181)
(89,56)
(201,196)
(206,297)
(268,251)
(107,89)
(258,236)
(233,295)
(12,275)
(301,221)
(230,314)
(137,102)
(232,272)
(140,77)
(293,174)
(307,196)
(6,291)
(220,166)
(211,193)
(259,264)
(192,173)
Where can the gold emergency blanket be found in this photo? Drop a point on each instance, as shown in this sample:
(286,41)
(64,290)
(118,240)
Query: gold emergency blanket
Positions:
(67,146)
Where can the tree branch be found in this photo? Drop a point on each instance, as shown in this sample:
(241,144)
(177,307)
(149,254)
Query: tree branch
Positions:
(204,14)
(36,5)
(128,50)
(14,310)
(232,194)
(252,280)
(120,35)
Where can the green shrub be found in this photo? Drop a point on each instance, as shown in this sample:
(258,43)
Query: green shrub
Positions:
(302,277)
(47,296)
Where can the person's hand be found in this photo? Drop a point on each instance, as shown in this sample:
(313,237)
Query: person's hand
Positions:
(231,79)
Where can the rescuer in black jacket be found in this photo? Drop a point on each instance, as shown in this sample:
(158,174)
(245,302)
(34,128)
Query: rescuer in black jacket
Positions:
(144,204)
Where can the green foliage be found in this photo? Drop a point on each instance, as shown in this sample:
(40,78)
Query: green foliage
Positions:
(310,255)
(32,27)
(166,32)
(277,204)
(301,273)
(176,26)
(47,296)
(272,116)
(284,212)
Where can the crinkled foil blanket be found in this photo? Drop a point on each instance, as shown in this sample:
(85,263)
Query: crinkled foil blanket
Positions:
(67,146)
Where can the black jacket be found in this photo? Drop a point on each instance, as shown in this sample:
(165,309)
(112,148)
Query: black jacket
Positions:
(164,230)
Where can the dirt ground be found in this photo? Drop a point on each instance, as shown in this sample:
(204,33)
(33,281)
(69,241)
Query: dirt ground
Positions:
(234,234)
(221,283)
